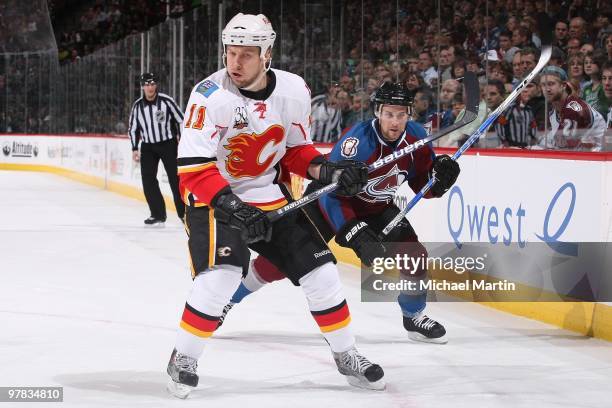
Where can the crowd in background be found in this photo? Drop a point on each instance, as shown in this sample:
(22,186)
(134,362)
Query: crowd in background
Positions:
(346,49)
(101,22)
(501,47)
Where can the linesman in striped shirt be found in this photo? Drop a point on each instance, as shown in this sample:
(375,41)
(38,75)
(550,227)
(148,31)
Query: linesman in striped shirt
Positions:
(516,126)
(155,123)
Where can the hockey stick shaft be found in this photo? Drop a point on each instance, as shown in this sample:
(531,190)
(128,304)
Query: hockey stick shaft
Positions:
(544,57)
(471,113)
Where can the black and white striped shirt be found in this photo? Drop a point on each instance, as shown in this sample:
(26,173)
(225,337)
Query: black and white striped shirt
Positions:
(326,124)
(155,121)
(516,126)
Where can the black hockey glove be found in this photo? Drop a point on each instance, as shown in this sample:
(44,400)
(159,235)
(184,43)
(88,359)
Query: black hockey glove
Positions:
(445,170)
(352,176)
(358,236)
(251,221)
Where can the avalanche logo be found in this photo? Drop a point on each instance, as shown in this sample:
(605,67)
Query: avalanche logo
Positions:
(246,149)
(349,147)
(383,188)
(575,106)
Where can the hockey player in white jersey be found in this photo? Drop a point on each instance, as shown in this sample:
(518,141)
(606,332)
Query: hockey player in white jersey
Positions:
(240,125)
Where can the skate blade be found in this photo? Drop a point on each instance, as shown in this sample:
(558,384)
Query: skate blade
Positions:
(181,391)
(416,336)
(157,225)
(379,385)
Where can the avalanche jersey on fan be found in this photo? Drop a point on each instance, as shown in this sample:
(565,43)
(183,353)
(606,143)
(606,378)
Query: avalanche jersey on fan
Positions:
(363,142)
(243,137)
(578,126)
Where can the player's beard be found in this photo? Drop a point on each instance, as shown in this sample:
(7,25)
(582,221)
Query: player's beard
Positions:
(252,83)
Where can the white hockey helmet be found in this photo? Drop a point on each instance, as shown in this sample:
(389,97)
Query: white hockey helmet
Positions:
(249,30)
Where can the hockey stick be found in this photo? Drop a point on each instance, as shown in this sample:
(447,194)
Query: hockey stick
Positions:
(471,113)
(544,57)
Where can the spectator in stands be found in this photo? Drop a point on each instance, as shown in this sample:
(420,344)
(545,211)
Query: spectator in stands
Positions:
(574,124)
(606,79)
(521,38)
(573,46)
(473,64)
(444,117)
(412,61)
(512,24)
(345,102)
(358,111)
(347,83)
(586,48)
(372,86)
(501,71)
(490,33)
(575,65)
(447,57)
(557,57)
(365,71)
(593,92)
(608,43)
(382,73)
(458,104)
(459,68)
(517,68)
(529,59)
(506,49)
(426,68)
(414,81)
(577,29)
(515,127)
(561,34)
(423,106)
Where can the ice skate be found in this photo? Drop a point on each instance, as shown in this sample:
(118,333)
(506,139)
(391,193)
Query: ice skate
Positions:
(153,222)
(359,371)
(182,371)
(425,329)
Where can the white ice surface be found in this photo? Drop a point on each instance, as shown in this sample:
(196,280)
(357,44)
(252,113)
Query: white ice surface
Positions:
(90,300)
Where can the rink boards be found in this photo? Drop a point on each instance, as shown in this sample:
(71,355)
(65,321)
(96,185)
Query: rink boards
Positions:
(511,195)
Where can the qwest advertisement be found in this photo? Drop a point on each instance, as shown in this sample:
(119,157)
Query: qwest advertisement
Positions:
(500,200)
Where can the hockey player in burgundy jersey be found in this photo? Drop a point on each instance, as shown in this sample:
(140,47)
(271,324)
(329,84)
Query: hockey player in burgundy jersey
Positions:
(242,124)
(356,221)
(574,125)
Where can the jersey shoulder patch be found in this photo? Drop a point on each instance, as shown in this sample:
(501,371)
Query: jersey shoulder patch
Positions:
(207,88)
(357,144)
(575,106)
(348,149)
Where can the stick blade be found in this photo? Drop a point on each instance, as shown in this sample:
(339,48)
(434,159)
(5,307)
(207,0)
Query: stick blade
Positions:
(472,90)
(545,28)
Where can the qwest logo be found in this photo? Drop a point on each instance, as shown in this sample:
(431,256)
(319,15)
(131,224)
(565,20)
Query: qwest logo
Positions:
(505,224)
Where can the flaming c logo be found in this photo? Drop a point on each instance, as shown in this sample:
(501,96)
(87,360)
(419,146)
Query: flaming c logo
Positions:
(244,160)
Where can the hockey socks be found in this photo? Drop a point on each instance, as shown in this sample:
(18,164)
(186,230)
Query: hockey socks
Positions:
(334,318)
(240,294)
(261,272)
(328,307)
(210,293)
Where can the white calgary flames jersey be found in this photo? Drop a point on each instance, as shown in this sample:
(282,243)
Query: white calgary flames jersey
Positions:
(246,138)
